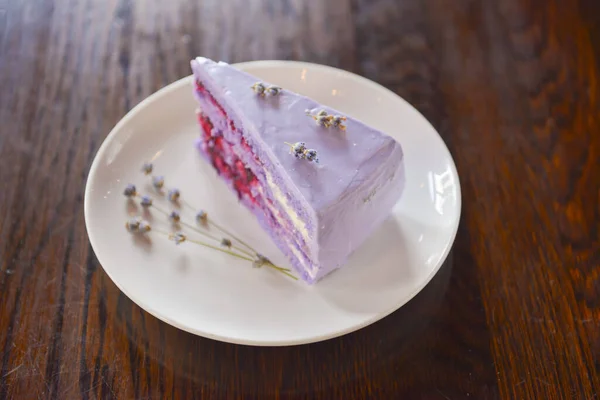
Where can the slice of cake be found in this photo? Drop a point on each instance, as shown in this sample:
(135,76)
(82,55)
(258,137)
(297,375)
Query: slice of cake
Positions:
(319,182)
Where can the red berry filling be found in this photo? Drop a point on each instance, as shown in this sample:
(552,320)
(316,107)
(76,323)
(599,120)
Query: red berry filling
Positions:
(243,179)
(218,149)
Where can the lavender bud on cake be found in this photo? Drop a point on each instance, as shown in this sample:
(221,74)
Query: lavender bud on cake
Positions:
(273,90)
(258,88)
(298,149)
(311,155)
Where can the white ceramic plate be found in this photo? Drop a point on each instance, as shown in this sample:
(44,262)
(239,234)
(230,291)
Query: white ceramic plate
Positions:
(216,296)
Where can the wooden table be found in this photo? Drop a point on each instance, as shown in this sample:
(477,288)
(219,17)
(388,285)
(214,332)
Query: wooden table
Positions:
(513,86)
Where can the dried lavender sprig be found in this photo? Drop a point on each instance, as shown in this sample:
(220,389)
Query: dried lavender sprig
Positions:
(266,261)
(262,260)
(215,238)
(192,227)
(139,226)
(207,220)
(198,242)
(223,230)
(224,250)
(174,195)
(284,271)
(226,232)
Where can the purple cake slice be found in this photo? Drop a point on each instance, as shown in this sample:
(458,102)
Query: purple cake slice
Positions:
(319,182)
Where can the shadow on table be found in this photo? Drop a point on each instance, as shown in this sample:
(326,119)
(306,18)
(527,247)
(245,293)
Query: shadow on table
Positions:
(220,367)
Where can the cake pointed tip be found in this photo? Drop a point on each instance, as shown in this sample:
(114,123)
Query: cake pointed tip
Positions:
(203,60)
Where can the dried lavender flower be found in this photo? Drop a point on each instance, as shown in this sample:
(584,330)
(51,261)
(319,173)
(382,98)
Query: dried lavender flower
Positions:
(311,155)
(298,149)
(273,90)
(338,122)
(130,191)
(178,237)
(147,168)
(259,261)
(259,88)
(202,216)
(173,194)
(133,224)
(144,227)
(146,201)
(322,120)
(158,182)
(175,216)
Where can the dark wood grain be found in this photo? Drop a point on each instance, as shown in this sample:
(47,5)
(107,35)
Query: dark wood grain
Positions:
(511,85)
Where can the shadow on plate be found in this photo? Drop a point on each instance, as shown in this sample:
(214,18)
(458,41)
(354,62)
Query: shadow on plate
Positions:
(377,273)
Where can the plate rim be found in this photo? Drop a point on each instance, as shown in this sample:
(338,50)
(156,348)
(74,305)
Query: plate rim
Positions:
(187,80)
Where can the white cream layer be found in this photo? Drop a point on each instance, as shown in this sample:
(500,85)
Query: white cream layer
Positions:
(289,210)
(296,220)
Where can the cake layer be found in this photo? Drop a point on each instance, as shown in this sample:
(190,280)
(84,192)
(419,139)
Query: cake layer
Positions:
(322,211)
(223,146)
(226,129)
